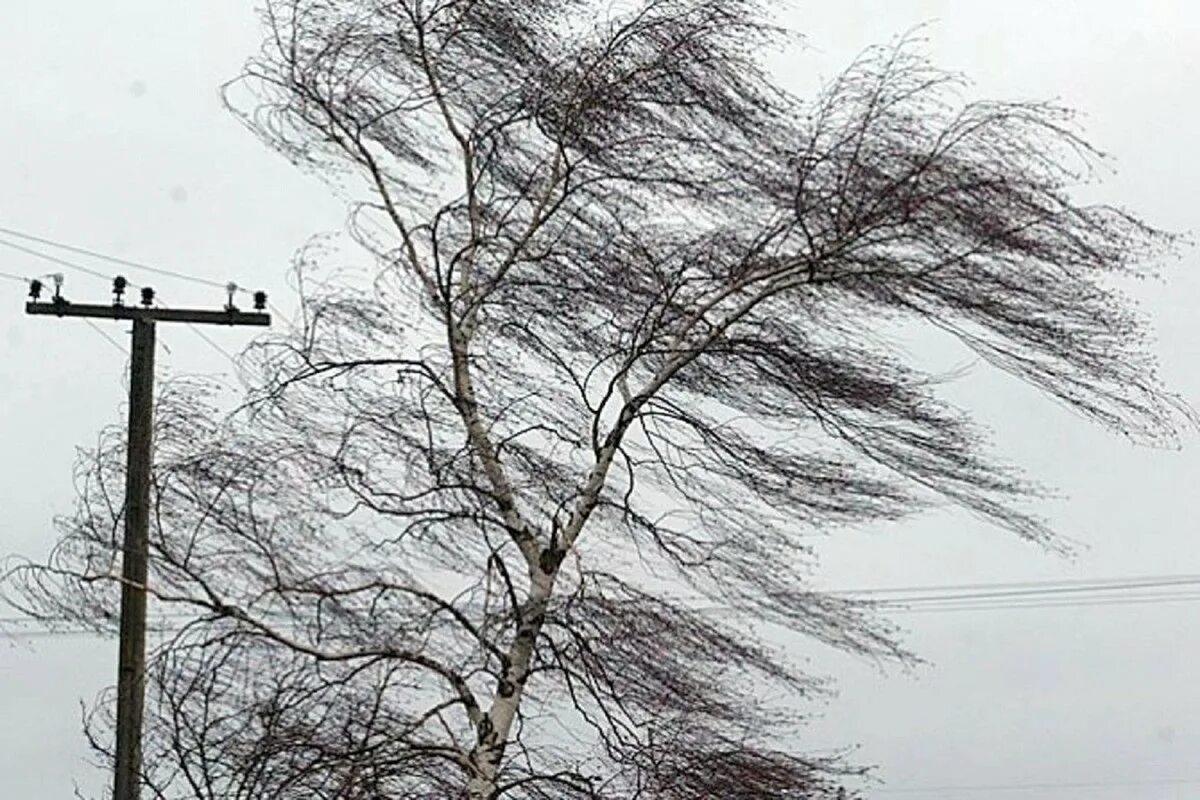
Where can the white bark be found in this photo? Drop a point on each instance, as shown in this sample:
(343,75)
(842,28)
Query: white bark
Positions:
(495,728)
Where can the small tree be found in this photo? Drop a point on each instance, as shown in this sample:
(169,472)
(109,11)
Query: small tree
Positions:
(628,339)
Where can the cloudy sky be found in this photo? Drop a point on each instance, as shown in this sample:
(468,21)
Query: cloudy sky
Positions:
(113,138)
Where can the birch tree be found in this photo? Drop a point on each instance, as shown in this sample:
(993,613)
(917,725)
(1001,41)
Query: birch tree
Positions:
(508,517)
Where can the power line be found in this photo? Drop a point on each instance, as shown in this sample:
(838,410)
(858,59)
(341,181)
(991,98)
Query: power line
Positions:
(91,324)
(56,260)
(1002,606)
(1047,590)
(12,277)
(957,587)
(1043,594)
(1074,603)
(114,259)
(213,344)
(105,334)
(1033,787)
(1153,599)
(50,620)
(207,339)
(1013,595)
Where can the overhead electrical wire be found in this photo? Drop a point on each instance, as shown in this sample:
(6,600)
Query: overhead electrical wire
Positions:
(1048,595)
(62,263)
(45,621)
(211,342)
(106,335)
(1116,591)
(204,337)
(1037,787)
(114,259)
(995,586)
(1077,603)
(55,260)
(13,277)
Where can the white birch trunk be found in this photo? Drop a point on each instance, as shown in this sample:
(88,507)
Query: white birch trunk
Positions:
(496,726)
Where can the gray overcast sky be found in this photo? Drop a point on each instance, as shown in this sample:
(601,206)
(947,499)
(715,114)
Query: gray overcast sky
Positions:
(113,137)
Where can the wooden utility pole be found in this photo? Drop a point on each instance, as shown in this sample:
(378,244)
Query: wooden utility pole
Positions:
(131,665)
(134,563)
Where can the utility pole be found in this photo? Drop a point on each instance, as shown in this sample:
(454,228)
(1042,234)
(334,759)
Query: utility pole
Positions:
(131,665)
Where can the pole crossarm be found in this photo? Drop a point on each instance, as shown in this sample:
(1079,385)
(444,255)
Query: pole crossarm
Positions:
(228,316)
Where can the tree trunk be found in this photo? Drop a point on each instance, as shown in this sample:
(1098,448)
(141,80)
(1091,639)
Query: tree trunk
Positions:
(496,726)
